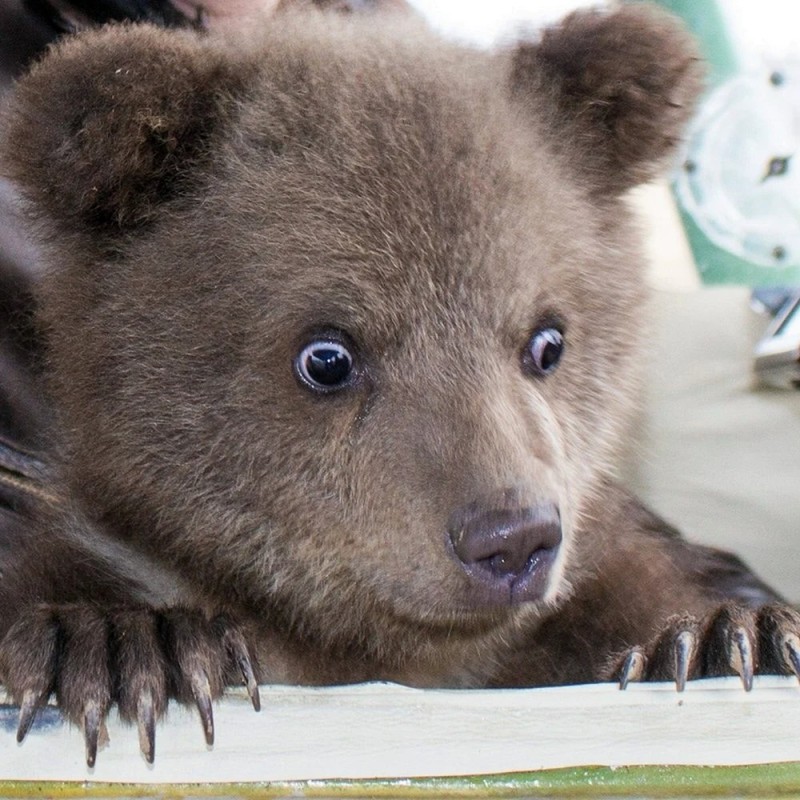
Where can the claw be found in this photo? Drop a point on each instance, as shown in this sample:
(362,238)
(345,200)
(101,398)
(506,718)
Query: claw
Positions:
(31,701)
(684,649)
(250,681)
(92,721)
(201,690)
(146,722)
(633,668)
(790,645)
(740,657)
(237,649)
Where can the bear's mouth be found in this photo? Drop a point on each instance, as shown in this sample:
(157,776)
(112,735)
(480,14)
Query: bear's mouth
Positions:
(492,586)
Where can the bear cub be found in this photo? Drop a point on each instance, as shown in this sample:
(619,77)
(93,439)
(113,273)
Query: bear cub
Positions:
(343,331)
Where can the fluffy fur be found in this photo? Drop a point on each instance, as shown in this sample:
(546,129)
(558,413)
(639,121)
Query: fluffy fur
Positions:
(207,212)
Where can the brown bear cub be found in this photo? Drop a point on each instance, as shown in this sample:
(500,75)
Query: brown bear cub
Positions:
(343,332)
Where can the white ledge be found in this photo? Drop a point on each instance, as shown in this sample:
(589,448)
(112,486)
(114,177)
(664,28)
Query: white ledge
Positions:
(389,731)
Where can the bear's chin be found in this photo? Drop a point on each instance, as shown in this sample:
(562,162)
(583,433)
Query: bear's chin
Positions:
(471,617)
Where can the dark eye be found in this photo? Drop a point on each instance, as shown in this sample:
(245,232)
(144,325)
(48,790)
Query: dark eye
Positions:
(544,350)
(324,364)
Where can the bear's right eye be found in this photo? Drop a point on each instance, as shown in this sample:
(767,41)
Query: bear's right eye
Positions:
(324,365)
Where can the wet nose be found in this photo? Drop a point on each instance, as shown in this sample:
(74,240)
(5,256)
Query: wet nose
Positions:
(506,553)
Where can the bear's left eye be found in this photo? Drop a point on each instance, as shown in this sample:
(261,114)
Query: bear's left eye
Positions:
(544,351)
(324,365)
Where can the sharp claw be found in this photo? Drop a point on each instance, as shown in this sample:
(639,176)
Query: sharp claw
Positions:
(92,720)
(633,668)
(684,648)
(31,701)
(237,649)
(250,681)
(741,657)
(790,644)
(146,722)
(202,697)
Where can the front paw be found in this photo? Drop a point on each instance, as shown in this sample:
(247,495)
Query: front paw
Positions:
(138,659)
(732,640)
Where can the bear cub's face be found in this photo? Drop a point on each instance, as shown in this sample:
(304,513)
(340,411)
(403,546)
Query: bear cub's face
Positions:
(353,315)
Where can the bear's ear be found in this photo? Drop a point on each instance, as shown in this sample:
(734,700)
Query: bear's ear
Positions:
(107,125)
(623,84)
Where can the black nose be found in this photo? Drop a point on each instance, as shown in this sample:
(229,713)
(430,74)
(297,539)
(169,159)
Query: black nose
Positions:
(506,553)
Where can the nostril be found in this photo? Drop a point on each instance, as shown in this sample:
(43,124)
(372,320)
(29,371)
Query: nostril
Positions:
(503,564)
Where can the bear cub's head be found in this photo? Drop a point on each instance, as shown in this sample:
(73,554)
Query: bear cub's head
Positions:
(349,318)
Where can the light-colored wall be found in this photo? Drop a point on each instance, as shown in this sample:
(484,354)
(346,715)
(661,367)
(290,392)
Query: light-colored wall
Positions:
(717,455)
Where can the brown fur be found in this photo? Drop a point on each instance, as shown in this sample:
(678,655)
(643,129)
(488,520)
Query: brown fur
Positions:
(205,211)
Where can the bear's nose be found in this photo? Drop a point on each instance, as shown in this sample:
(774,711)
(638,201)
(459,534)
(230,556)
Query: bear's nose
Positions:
(506,553)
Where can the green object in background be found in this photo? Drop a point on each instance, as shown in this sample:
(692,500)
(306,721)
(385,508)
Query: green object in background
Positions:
(738,186)
(705,20)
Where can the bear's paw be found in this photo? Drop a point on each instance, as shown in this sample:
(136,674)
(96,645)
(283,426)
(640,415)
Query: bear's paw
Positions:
(93,658)
(734,639)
